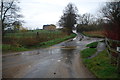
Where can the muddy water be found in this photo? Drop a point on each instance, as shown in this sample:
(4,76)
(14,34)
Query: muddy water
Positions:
(58,61)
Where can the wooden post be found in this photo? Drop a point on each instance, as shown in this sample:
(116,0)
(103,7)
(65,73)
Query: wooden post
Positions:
(118,64)
(37,33)
(108,50)
(118,61)
(37,36)
(116,51)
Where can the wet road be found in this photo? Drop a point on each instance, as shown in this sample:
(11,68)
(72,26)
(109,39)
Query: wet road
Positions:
(58,61)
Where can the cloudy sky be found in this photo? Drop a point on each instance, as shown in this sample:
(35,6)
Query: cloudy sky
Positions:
(40,12)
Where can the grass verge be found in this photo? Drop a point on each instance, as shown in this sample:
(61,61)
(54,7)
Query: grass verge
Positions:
(88,52)
(9,48)
(100,65)
(92,45)
(55,41)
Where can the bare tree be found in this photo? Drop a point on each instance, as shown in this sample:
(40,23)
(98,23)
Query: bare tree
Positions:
(17,25)
(9,13)
(85,19)
(69,18)
(111,12)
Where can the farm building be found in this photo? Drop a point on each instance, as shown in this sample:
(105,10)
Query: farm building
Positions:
(49,27)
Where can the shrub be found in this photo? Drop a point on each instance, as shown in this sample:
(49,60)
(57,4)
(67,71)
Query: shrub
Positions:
(98,34)
(86,28)
(112,31)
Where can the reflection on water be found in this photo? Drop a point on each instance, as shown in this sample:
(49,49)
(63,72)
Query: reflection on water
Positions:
(68,47)
(68,55)
(75,31)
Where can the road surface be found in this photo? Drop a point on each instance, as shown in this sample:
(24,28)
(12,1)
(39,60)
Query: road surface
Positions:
(58,61)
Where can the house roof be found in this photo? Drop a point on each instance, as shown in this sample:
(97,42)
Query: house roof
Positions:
(48,25)
(45,25)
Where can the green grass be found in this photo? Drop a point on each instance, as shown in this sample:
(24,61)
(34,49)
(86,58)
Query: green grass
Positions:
(100,65)
(92,45)
(33,33)
(88,52)
(10,48)
(0,46)
(55,41)
(31,39)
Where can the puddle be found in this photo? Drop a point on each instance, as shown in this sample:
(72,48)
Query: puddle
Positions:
(52,59)
(29,66)
(59,60)
(68,55)
(68,47)
(17,54)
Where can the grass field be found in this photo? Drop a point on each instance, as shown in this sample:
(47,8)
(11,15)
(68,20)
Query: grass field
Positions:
(22,41)
(33,33)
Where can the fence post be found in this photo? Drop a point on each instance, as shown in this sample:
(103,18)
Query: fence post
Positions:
(37,33)
(116,51)
(118,65)
(108,50)
(118,61)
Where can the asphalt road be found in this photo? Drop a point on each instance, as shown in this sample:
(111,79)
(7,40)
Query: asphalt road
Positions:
(58,61)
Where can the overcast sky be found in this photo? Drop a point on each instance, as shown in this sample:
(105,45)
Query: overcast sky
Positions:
(41,12)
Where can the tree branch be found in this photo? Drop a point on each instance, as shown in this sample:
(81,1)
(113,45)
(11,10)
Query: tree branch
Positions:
(7,10)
